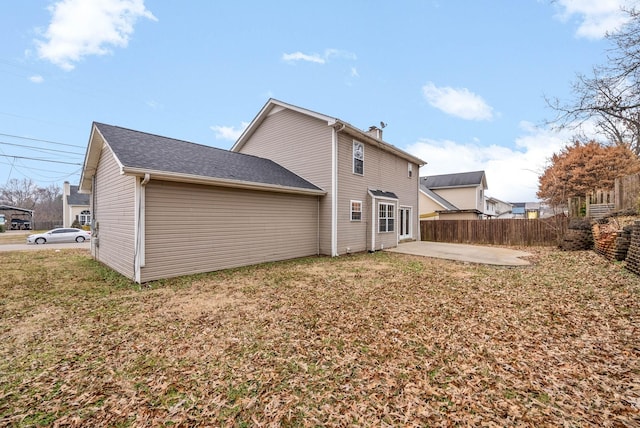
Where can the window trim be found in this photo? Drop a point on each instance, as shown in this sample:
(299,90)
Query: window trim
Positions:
(354,158)
(84,217)
(352,211)
(409,170)
(389,214)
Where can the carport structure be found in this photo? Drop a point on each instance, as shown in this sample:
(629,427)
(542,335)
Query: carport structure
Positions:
(23,212)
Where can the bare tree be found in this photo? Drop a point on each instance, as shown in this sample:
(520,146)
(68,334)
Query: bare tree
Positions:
(611,96)
(45,201)
(20,193)
(49,204)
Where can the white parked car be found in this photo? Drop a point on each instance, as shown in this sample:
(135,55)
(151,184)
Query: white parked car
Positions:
(60,234)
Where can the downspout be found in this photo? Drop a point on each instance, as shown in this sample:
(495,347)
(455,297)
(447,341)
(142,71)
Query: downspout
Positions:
(140,227)
(334,190)
(419,233)
(95,231)
(373,224)
(318,226)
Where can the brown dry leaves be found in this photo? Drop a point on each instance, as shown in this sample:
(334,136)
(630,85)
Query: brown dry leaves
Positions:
(365,340)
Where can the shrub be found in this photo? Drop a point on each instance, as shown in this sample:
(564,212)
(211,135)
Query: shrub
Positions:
(76,224)
(579,224)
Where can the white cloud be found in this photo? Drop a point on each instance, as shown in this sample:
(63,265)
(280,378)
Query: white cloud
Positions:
(230,133)
(318,58)
(512,173)
(299,56)
(458,102)
(79,28)
(354,72)
(36,79)
(597,17)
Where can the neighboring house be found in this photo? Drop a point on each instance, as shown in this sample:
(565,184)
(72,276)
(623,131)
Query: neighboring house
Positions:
(75,206)
(528,210)
(495,208)
(518,210)
(297,183)
(532,209)
(457,196)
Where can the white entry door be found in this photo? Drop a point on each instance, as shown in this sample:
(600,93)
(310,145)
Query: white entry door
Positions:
(404,215)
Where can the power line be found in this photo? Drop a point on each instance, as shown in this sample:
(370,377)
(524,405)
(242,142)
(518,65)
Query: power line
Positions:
(40,159)
(31,170)
(42,141)
(40,148)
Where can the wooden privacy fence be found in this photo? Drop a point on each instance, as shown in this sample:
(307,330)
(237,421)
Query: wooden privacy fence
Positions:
(600,203)
(496,231)
(627,192)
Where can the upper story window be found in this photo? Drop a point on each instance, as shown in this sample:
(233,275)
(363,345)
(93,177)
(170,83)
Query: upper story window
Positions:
(358,158)
(409,170)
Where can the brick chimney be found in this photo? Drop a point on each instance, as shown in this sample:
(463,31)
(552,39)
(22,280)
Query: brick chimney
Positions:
(375,132)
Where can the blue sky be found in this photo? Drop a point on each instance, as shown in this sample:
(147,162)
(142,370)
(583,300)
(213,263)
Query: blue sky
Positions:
(461,84)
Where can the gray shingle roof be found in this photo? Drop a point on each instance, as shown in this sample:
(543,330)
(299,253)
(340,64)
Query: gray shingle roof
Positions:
(135,149)
(76,198)
(383,194)
(452,180)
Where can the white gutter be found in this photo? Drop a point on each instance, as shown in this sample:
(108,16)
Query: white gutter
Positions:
(334,191)
(359,134)
(374,225)
(222,182)
(334,188)
(139,226)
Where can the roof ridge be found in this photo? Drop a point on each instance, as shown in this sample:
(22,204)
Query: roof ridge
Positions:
(159,136)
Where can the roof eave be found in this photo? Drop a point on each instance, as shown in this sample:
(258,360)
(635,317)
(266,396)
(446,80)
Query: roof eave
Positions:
(265,111)
(214,181)
(91,158)
(331,121)
(358,133)
(460,211)
(459,186)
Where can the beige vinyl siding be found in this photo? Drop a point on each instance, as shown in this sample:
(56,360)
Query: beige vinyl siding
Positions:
(458,216)
(194,228)
(464,198)
(428,206)
(302,144)
(114,207)
(382,171)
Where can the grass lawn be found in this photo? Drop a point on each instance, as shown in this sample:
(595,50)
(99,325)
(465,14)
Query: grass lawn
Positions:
(366,340)
(16,236)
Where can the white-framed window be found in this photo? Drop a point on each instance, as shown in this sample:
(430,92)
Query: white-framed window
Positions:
(356,210)
(85,217)
(409,169)
(358,158)
(386,217)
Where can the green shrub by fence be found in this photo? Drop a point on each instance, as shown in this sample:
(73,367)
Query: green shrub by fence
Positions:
(514,232)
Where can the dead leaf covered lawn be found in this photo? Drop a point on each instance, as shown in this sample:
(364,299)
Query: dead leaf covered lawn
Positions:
(365,340)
